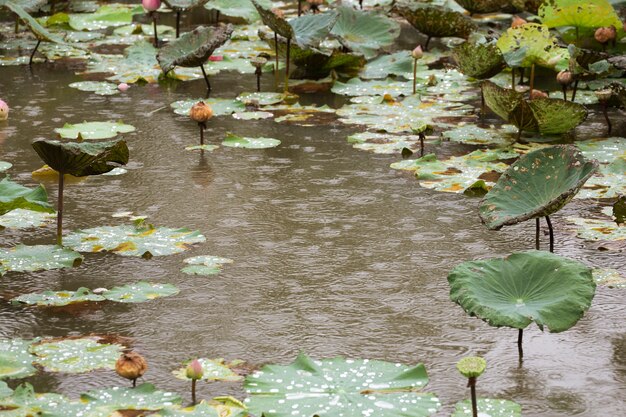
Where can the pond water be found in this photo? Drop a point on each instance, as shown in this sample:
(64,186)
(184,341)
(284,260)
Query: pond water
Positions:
(334,253)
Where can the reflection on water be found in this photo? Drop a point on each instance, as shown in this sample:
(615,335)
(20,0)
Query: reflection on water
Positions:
(335,254)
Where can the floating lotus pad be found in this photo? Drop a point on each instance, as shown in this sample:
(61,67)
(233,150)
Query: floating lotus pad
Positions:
(235,141)
(14,196)
(261,98)
(603,150)
(607,277)
(435,21)
(138,63)
(525,287)
(205,265)
(5,165)
(399,63)
(213,370)
(25,219)
(138,29)
(15,359)
(143,397)
(76,355)
(220,106)
(93,130)
(106,16)
(201,410)
(479,58)
(608,182)
(24,402)
(101,88)
(357,87)
(58,298)
(5,391)
(588,14)
(208,148)
(488,407)
(471,134)
(126,240)
(383,143)
(530,44)
(239,8)
(339,386)
(598,230)
(22,258)
(140,292)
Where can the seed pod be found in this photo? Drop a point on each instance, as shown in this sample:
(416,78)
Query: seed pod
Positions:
(131,366)
(564,77)
(472,366)
(200,112)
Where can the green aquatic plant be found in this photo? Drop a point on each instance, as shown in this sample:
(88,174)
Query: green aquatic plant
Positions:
(483,6)
(15,196)
(471,367)
(585,16)
(23,258)
(93,130)
(76,355)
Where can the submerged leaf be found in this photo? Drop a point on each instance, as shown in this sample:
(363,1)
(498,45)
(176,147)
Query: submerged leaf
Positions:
(22,258)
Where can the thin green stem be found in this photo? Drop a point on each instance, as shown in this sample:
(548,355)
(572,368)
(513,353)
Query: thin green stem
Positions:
(60,210)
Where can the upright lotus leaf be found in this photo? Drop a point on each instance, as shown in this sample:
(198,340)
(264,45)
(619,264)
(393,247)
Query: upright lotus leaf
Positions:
(243,9)
(364,32)
(525,287)
(15,196)
(193,48)
(41,33)
(488,407)
(334,387)
(435,21)
(536,185)
(140,292)
(15,359)
(483,6)
(213,370)
(310,29)
(93,130)
(76,355)
(532,44)
(22,258)
(58,298)
(502,101)
(143,397)
(277,23)
(479,58)
(24,402)
(587,14)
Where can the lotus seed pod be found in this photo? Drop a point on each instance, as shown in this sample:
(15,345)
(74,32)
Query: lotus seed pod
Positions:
(604,95)
(417,53)
(564,77)
(151,5)
(194,370)
(603,35)
(4,110)
(131,365)
(123,87)
(517,22)
(538,94)
(472,366)
(200,112)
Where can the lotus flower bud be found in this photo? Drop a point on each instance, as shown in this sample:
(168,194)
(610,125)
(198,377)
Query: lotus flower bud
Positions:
(604,95)
(151,5)
(123,87)
(517,22)
(564,77)
(194,370)
(603,35)
(4,110)
(216,58)
(417,53)
(472,366)
(537,94)
(131,365)
(279,13)
(200,112)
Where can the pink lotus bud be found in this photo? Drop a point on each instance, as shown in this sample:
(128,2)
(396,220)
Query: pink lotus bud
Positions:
(216,58)
(417,53)
(517,22)
(564,77)
(123,87)
(194,370)
(4,110)
(151,5)
(603,35)
(537,94)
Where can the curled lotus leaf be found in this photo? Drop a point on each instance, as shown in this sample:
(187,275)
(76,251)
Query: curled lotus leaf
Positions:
(588,14)
(488,407)
(22,258)
(275,22)
(205,265)
(76,355)
(538,184)
(478,58)
(193,48)
(243,9)
(435,21)
(15,359)
(24,219)
(339,386)
(310,29)
(143,397)
(213,370)
(483,6)
(530,44)
(140,292)
(93,130)
(525,287)
(15,196)
(58,298)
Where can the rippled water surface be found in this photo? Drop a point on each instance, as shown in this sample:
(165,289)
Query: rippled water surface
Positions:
(335,254)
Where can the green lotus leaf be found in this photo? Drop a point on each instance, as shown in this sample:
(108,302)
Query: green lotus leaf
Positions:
(357,87)
(208,148)
(193,48)
(93,130)
(239,8)
(261,99)
(82,159)
(598,230)
(201,410)
(383,143)
(253,115)
(24,402)
(15,359)
(538,184)
(399,63)
(435,21)
(483,6)
(14,196)
(213,370)
(106,16)
(525,287)
(588,14)
(277,23)
(58,298)
(220,106)
(138,29)
(5,391)
(339,386)
(474,135)
(140,292)
(608,182)
(31,6)
(101,88)
(607,277)
(22,258)
(478,58)
(205,265)
(183,5)
(488,407)
(39,31)
(126,240)
(138,63)
(143,397)
(234,141)
(5,165)
(25,219)
(471,366)
(76,355)
(364,32)
(310,29)
(604,150)
(531,44)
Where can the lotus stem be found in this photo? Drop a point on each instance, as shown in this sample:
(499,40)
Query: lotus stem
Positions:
(520,350)
(134,382)
(472,384)
(537,227)
(287,63)
(426,44)
(193,392)
(605,106)
(52,6)
(299,8)
(17,24)
(206,79)
(513,79)
(217,16)
(421,136)
(521,76)
(60,210)
(532,79)
(202,127)
(361,4)
(551,233)
(154,23)
(276,50)
(258,72)
(482,101)
(32,55)
(564,92)
(177,24)
(414,76)
(574,90)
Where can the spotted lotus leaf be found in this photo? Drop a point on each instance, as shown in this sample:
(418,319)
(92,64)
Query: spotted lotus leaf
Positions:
(140,292)
(22,258)
(488,407)
(525,287)
(24,402)
(15,196)
(106,16)
(213,370)
(58,298)
(478,58)
(531,44)
(261,98)
(234,141)
(332,387)
(243,9)
(138,29)
(604,150)
(435,21)
(357,87)
(76,355)
(93,130)
(220,106)
(205,265)
(143,397)
(607,277)
(277,23)
(483,6)
(472,134)
(138,63)
(312,28)
(15,359)
(588,14)
(201,410)
(101,88)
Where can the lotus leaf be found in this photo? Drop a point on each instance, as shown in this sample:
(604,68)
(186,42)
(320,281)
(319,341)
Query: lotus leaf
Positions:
(213,370)
(14,196)
(538,184)
(383,143)
(471,366)
(25,219)
(399,63)
(339,386)
(101,88)
(143,397)
(435,21)
(22,258)
(608,182)
(261,99)
(205,265)
(525,287)
(479,58)
(239,8)
(183,5)
(235,141)
(106,16)
(24,402)
(82,159)
(140,292)
(356,87)
(603,150)
(588,14)
(138,29)
(76,355)
(608,277)
(253,115)
(201,410)
(39,31)
(58,298)
(483,6)
(531,44)
(310,29)
(193,48)
(145,241)
(277,23)
(15,359)
(364,32)
(5,165)
(208,148)
(473,135)
(598,230)
(220,106)
(5,391)
(138,63)
(488,407)
(93,130)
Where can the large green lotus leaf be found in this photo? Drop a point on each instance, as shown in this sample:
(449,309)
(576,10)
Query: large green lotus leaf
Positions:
(5,165)
(22,258)
(357,87)
(607,277)
(364,32)
(538,184)
(220,106)
(5,391)
(15,196)
(183,5)
(24,402)
(140,292)
(15,359)
(201,410)
(488,407)
(133,241)
(193,48)
(501,101)
(82,159)
(101,88)
(471,134)
(205,265)
(261,98)
(234,141)
(138,63)
(525,287)
(143,397)
(58,298)
(399,63)
(478,58)
(76,355)
(530,44)
(310,29)
(239,8)
(213,370)
(39,31)
(93,130)
(277,23)
(552,116)
(589,14)
(25,219)
(598,230)
(106,16)
(383,143)
(333,387)
(608,182)
(483,6)
(435,21)
(604,150)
